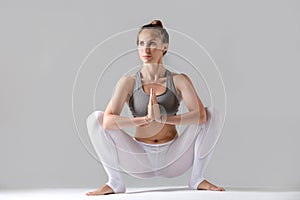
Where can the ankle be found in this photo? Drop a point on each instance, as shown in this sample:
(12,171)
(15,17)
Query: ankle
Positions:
(117,187)
(195,183)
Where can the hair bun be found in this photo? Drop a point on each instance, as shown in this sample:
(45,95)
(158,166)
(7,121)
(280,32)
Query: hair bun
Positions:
(157,23)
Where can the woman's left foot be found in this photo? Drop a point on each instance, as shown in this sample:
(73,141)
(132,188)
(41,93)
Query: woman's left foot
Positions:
(205,185)
(104,190)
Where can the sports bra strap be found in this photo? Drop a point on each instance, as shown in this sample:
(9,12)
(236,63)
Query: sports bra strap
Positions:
(169,84)
(138,81)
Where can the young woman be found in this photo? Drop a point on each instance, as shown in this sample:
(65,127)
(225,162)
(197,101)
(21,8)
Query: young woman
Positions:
(153,95)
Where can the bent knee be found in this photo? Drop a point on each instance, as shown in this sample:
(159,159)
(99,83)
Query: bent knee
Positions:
(95,118)
(213,115)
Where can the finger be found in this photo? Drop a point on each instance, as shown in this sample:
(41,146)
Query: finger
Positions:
(150,99)
(154,97)
(156,112)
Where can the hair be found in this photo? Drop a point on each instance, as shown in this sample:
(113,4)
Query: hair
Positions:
(156,25)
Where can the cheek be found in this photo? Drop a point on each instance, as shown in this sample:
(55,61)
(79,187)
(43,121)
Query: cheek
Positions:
(140,50)
(157,51)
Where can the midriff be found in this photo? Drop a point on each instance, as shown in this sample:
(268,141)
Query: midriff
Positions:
(156,133)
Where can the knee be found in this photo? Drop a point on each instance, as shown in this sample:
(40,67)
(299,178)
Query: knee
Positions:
(213,115)
(95,119)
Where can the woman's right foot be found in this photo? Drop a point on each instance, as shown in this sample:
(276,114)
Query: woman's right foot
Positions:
(205,185)
(104,190)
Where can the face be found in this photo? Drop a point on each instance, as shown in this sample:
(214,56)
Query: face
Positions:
(151,47)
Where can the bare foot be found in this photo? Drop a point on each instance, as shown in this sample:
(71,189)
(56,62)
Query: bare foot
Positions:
(104,190)
(205,185)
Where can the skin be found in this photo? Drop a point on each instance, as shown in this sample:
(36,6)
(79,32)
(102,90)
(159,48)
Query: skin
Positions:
(151,128)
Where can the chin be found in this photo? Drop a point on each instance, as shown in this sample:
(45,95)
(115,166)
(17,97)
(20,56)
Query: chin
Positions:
(147,61)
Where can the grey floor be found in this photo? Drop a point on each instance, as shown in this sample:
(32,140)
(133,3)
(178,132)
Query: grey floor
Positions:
(153,193)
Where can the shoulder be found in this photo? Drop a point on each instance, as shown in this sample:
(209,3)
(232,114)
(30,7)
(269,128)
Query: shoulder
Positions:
(126,83)
(127,80)
(181,79)
(182,83)
(179,75)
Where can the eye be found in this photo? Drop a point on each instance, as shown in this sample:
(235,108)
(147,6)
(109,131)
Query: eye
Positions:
(151,44)
(141,43)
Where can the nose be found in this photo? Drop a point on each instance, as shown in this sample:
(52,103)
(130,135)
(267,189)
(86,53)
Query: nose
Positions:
(147,49)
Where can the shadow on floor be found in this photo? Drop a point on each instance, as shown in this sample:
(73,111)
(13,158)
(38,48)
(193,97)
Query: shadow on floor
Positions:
(159,190)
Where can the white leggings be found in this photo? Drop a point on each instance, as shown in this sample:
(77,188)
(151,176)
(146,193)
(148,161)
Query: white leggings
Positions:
(118,151)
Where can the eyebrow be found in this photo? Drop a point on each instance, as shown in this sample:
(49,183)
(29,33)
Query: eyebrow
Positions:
(148,41)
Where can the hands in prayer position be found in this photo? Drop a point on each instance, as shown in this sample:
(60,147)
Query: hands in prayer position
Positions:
(154,113)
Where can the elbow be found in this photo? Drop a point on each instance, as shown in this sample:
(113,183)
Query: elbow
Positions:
(202,120)
(108,123)
(105,127)
(108,126)
(203,117)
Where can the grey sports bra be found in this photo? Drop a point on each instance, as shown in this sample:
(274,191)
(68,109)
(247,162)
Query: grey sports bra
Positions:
(168,101)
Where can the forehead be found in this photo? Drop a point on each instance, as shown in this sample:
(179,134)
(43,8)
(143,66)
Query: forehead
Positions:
(149,34)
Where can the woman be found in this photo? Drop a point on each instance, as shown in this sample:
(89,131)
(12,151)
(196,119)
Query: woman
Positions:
(153,95)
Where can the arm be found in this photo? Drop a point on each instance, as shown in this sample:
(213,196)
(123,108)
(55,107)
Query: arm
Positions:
(197,112)
(112,118)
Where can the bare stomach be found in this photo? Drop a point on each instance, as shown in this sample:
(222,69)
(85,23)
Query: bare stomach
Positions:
(156,133)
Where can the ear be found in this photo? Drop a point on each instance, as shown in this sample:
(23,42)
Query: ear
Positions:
(165,47)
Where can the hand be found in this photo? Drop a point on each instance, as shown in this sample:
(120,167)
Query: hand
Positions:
(150,116)
(153,109)
(155,106)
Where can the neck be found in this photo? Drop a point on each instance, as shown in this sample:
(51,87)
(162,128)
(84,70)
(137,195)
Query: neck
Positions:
(153,71)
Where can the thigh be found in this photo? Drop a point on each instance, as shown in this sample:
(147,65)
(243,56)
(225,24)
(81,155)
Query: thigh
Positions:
(115,148)
(180,155)
(131,156)
(184,142)
(178,164)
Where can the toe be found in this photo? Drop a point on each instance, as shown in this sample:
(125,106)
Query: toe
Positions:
(220,189)
(91,193)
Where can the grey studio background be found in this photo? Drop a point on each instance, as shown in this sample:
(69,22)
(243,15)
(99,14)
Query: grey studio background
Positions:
(255,44)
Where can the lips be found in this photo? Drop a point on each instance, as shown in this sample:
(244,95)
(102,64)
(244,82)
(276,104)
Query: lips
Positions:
(147,56)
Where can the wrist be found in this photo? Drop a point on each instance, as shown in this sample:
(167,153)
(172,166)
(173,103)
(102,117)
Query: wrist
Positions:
(163,119)
(157,114)
(147,119)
